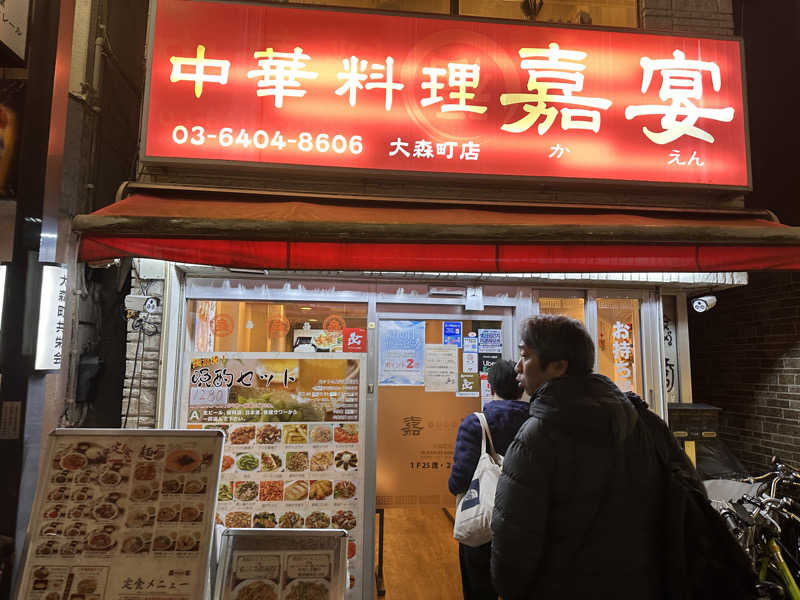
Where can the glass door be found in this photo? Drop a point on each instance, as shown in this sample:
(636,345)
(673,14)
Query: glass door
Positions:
(432,369)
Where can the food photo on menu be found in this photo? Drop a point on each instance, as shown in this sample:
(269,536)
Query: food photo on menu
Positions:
(256,589)
(307,576)
(293,454)
(104,499)
(255,576)
(280,576)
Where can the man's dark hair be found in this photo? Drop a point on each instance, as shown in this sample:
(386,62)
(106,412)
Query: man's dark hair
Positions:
(503,379)
(557,337)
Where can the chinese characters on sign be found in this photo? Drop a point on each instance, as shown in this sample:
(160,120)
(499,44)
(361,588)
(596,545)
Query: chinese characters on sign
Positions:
(622,350)
(671,376)
(52,309)
(682,83)
(642,107)
(552,69)
(411,426)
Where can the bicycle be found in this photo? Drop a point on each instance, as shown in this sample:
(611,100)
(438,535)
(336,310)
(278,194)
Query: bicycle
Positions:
(759,532)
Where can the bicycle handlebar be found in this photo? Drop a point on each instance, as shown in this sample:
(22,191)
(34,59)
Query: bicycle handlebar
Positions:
(732,520)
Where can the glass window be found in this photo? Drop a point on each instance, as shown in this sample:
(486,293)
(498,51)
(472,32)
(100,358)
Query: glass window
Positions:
(618,342)
(231,326)
(571,307)
(613,13)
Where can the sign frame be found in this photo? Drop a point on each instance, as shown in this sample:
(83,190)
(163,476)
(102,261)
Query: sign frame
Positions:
(269,540)
(257,169)
(207,552)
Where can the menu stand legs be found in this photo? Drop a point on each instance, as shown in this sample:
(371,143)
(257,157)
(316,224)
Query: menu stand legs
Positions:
(379,571)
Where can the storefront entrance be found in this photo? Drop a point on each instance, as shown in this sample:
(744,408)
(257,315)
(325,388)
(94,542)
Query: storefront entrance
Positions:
(431,374)
(341,399)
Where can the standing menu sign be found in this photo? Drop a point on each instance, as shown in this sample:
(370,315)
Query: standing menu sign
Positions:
(294,451)
(122,515)
(300,564)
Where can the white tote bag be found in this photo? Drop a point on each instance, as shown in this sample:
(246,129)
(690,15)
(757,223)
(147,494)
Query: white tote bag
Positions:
(473,519)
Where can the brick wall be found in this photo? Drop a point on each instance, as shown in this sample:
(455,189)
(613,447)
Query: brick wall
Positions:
(746,360)
(140,389)
(701,17)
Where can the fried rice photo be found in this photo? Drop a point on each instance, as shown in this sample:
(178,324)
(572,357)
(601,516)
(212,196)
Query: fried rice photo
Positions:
(255,590)
(307,590)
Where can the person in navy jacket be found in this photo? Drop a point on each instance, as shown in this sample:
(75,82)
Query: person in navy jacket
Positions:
(505,415)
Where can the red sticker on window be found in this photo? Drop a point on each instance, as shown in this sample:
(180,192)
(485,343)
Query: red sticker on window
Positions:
(354,339)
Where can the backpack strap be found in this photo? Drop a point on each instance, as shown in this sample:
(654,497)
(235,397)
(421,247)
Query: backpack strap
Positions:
(485,433)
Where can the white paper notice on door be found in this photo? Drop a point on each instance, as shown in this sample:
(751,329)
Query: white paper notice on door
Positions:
(441,368)
(470,362)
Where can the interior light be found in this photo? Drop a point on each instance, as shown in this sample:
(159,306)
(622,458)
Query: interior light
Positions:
(305,308)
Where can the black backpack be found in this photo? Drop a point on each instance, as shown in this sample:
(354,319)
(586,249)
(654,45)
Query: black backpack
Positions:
(702,558)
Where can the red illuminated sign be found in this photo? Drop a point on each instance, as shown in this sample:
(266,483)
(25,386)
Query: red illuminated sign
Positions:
(267,84)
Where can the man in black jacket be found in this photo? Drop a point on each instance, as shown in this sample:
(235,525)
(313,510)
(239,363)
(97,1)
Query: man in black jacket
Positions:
(578,504)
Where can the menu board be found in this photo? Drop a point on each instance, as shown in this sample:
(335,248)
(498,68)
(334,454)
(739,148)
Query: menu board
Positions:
(294,449)
(295,575)
(282,565)
(122,515)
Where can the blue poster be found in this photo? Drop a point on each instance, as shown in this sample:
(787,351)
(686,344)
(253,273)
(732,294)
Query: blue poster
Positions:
(490,340)
(451,333)
(401,357)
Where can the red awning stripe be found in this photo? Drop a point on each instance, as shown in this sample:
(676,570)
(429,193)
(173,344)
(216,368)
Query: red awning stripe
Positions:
(470,258)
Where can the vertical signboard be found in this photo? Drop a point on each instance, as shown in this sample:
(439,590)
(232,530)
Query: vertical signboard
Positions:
(52,308)
(671,374)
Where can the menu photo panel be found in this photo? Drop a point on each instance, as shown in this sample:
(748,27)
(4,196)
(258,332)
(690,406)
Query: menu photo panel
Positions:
(122,515)
(294,446)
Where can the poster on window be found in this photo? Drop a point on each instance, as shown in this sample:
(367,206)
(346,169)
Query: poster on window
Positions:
(401,353)
(490,341)
(451,333)
(294,452)
(441,368)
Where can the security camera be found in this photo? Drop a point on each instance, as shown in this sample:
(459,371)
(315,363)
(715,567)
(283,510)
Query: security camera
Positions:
(704,303)
(139,303)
